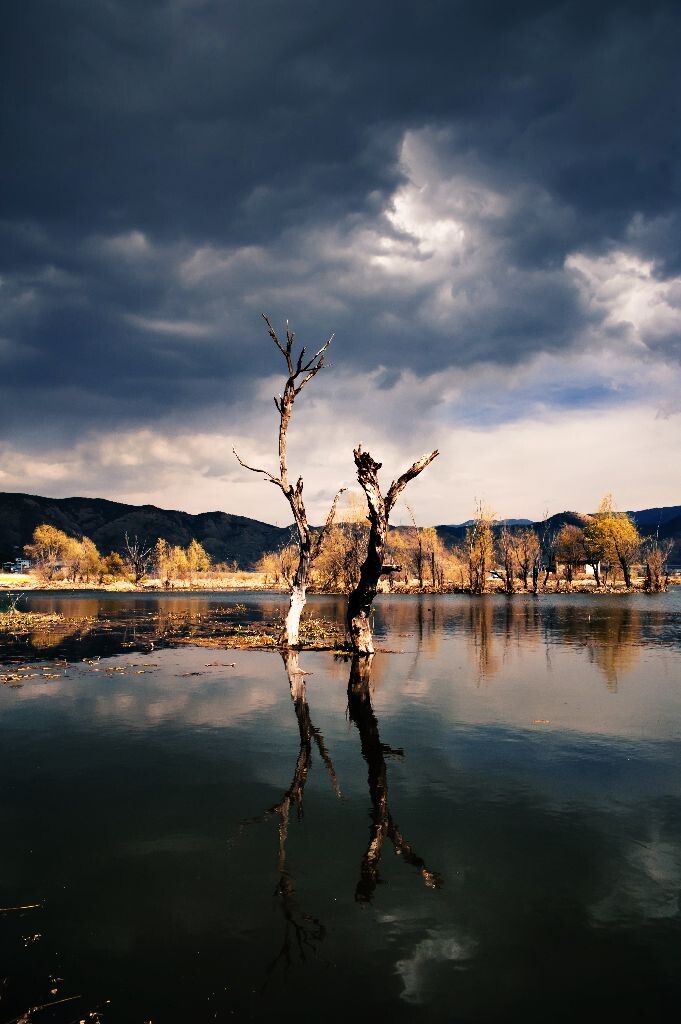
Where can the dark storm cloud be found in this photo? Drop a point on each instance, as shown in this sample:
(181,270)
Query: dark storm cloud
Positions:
(174,167)
(166,114)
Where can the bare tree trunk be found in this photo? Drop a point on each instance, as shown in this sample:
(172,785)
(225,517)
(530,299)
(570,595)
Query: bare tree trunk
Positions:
(290,633)
(626,568)
(535,578)
(309,545)
(361,598)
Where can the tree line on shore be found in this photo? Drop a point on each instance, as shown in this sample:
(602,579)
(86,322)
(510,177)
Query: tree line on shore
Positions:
(56,556)
(508,558)
(512,559)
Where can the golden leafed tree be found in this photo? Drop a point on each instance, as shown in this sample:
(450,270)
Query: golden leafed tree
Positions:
(615,536)
(479,548)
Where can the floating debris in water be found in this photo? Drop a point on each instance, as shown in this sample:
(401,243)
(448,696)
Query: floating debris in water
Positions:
(23,906)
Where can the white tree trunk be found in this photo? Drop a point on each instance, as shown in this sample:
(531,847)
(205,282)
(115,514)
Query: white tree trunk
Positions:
(289,635)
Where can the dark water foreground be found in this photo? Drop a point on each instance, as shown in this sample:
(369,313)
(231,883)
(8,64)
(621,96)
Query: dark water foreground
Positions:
(485,825)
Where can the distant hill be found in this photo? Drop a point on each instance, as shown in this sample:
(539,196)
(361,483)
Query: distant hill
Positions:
(225,537)
(665,522)
(498,522)
(452,535)
(650,518)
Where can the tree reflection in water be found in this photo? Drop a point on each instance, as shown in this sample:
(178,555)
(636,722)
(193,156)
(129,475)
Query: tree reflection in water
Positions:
(613,641)
(610,633)
(302,931)
(361,713)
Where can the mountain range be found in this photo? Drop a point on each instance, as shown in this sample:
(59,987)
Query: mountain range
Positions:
(227,538)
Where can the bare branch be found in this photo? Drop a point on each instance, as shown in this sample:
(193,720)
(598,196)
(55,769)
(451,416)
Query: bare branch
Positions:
(433,879)
(310,375)
(273,335)
(272,479)
(397,486)
(324,754)
(319,540)
(319,354)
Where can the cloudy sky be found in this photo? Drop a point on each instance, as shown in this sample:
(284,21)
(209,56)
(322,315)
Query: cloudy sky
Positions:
(482,199)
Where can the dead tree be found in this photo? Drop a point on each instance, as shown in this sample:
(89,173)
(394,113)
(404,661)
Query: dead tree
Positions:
(360,599)
(655,557)
(300,371)
(138,557)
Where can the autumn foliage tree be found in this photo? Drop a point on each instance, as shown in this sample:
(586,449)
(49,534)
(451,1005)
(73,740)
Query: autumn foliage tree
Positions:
(570,549)
(507,557)
(279,567)
(528,555)
(56,555)
(479,548)
(49,549)
(172,562)
(337,567)
(618,537)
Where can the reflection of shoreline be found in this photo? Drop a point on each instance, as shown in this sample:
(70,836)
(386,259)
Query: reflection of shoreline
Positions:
(612,635)
(491,628)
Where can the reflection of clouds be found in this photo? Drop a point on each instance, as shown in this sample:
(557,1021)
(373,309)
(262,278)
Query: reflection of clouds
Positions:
(198,705)
(437,949)
(162,695)
(649,885)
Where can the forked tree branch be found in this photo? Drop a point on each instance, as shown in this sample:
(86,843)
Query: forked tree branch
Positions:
(397,486)
(310,368)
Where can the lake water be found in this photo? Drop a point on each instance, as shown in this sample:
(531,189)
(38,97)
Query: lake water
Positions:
(485,825)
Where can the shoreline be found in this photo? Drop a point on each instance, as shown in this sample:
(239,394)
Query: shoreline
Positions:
(24,586)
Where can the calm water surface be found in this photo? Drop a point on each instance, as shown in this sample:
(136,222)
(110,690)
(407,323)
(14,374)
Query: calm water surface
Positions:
(484,826)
